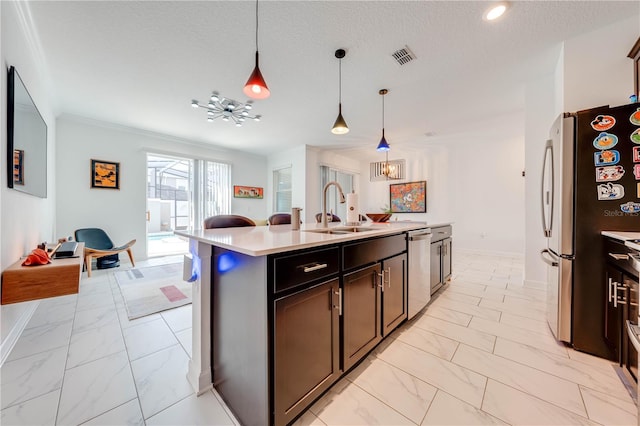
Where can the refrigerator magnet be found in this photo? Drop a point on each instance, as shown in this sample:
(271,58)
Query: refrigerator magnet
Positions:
(609,173)
(636,154)
(635,136)
(605,141)
(635,117)
(630,207)
(603,122)
(638,189)
(610,191)
(636,171)
(606,158)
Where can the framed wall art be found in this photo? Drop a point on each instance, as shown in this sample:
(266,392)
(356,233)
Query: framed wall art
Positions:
(18,167)
(408,197)
(247,191)
(105,174)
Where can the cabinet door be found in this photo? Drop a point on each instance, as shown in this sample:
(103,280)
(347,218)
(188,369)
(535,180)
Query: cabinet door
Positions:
(613,314)
(306,352)
(446,259)
(630,356)
(394,293)
(361,313)
(436,265)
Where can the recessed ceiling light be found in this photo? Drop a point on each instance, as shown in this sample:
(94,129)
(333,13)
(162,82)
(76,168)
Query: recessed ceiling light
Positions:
(495,11)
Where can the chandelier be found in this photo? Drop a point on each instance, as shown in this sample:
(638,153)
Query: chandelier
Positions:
(227,109)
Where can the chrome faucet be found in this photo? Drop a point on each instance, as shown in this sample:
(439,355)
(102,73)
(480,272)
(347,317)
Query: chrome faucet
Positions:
(324,200)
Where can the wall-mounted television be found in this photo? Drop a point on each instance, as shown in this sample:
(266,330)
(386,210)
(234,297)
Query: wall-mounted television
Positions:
(26,140)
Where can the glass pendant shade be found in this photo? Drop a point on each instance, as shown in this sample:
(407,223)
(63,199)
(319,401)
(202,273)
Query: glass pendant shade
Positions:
(340,126)
(383,145)
(256,87)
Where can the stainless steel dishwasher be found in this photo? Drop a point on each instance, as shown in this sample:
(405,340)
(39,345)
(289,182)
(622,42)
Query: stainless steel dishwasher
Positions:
(419,286)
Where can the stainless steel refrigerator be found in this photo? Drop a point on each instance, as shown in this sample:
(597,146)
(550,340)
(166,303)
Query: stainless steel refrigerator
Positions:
(590,183)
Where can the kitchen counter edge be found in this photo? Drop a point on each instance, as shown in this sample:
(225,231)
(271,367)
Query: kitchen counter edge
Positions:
(264,240)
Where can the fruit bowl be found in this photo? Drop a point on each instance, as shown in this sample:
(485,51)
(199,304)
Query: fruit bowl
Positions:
(379,217)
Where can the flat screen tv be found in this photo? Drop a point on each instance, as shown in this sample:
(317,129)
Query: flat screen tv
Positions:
(26,140)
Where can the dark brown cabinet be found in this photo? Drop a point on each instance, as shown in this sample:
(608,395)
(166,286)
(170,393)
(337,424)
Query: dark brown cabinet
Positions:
(441,243)
(307,348)
(394,292)
(362,313)
(613,312)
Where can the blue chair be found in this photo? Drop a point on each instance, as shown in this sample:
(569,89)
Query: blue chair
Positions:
(98,245)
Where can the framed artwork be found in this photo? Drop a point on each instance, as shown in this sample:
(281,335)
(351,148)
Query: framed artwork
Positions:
(18,167)
(247,191)
(408,197)
(105,174)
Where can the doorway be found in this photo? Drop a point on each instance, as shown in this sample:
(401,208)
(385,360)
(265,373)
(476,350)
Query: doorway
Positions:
(169,204)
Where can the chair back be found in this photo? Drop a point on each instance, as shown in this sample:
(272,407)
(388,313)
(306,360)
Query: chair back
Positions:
(280,219)
(330,218)
(227,221)
(94,238)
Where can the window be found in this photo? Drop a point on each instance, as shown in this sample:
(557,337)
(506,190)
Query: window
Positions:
(345,180)
(213,187)
(282,190)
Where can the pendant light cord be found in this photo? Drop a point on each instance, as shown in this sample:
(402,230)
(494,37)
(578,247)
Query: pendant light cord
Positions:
(256,25)
(340,79)
(383,114)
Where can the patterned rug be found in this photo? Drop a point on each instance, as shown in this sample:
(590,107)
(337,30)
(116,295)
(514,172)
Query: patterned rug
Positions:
(153,289)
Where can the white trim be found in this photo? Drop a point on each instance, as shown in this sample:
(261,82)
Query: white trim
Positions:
(490,253)
(14,334)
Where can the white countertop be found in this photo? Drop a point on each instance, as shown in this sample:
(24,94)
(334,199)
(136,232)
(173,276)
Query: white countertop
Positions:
(626,237)
(263,240)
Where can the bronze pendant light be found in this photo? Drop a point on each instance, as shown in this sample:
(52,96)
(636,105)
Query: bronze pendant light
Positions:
(340,126)
(256,87)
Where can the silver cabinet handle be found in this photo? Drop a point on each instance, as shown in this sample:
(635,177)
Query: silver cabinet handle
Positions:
(610,282)
(381,275)
(339,294)
(315,267)
(615,294)
(624,300)
(619,256)
(389,276)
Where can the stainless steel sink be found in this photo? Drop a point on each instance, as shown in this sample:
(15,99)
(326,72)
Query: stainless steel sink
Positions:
(327,231)
(340,230)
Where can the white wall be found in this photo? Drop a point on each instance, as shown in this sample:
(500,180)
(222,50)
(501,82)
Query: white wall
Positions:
(596,68)
(474,179)
(25,220)
(121,213)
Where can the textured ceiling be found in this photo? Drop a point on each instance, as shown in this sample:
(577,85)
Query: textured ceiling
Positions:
(140,64)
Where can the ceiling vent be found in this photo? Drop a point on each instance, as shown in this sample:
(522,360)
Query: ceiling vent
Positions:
(387,170)
(403,56)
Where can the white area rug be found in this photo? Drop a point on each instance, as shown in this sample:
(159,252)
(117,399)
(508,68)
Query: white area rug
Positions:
(153,289)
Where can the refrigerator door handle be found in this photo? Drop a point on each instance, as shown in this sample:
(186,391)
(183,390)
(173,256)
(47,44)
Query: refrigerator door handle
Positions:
(548,260)
(547,196)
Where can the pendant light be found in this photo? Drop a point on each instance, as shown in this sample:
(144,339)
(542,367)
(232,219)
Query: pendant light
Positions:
(256,87)
(383,145)
(340,126)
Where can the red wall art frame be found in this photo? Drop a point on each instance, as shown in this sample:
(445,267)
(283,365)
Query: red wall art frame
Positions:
(408,197)
(247,191)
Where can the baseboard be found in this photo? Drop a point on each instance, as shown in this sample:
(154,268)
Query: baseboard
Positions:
(14,334)
(489,253)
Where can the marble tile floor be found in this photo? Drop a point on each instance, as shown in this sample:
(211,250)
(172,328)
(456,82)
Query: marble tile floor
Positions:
(81,361)
(480,354)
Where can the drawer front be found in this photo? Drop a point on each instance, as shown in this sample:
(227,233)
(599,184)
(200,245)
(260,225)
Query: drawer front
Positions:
(370,251)
(301,268)
(441,232)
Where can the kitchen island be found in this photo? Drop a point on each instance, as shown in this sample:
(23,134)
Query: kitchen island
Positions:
(280,315)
